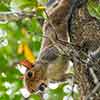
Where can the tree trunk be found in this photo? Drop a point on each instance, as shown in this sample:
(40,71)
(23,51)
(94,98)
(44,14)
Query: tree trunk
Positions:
(84,31)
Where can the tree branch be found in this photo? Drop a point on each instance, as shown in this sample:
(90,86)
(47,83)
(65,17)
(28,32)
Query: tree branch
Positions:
(15,16)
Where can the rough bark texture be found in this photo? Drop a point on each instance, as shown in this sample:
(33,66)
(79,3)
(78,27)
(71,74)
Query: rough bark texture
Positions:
(85,32)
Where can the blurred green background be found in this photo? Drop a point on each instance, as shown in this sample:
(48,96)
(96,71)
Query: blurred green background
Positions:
(21,39)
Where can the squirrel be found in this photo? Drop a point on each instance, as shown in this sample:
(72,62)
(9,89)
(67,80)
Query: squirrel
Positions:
(50,66)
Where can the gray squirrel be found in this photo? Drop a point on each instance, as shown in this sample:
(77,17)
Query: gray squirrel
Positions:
(50,66)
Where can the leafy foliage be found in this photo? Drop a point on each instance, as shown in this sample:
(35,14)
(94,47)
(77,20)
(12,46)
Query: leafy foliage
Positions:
(20,40)
(94,8)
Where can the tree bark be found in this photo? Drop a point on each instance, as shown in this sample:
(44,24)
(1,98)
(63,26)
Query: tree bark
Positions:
(84,31)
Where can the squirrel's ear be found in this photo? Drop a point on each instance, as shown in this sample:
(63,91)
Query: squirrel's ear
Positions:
(26,64)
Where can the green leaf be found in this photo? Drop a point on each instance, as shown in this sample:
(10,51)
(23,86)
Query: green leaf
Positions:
(94,8)
(56,94)
(4,7)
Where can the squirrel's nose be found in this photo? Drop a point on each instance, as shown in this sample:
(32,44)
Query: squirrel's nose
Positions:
(42,87)
(29,74)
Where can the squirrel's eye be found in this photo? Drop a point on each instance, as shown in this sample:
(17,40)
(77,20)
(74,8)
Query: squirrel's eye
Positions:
(30,74)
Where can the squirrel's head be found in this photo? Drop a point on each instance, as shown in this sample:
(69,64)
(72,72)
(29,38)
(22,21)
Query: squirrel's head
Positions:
(34,76)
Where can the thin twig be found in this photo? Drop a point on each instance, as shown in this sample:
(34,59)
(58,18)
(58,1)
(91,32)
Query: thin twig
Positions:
(15,16)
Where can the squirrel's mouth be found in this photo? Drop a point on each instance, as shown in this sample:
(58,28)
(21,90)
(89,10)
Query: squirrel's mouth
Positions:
(40,87)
